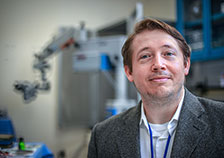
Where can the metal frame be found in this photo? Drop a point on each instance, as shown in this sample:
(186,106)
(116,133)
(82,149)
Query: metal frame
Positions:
(207,53)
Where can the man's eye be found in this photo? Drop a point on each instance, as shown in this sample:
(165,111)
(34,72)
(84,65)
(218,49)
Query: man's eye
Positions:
(168,53)
(145,56)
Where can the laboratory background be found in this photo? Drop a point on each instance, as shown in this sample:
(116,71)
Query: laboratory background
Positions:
(61,69)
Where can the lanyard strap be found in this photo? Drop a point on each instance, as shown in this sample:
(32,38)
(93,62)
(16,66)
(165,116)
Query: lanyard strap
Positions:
(151,142)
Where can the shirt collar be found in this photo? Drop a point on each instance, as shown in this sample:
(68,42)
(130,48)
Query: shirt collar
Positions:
(172,123)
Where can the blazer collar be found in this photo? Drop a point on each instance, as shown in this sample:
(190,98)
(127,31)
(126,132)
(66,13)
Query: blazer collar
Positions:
(191,127)
(129,142)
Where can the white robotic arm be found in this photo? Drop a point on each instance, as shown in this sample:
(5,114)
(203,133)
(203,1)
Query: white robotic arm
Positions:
(62,41)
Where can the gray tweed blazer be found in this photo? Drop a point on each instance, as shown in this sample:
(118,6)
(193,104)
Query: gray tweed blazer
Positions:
(199,133)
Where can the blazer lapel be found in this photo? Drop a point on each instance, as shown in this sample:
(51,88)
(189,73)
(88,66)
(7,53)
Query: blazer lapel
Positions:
(129,142)
(191,127)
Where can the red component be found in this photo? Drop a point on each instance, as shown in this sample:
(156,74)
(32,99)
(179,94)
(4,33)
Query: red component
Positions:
(68,43)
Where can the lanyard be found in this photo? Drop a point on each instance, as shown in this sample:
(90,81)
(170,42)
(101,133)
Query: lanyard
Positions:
(151,142)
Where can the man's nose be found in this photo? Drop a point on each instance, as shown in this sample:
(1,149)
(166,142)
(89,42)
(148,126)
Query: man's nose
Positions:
(158,64)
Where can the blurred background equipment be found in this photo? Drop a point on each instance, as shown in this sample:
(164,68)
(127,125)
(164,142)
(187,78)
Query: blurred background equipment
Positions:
(201,22)
(60,42)
(7,133)
(10,146)
(96,76)
(91,74)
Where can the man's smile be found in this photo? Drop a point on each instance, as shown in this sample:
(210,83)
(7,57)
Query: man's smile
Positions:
(159,78)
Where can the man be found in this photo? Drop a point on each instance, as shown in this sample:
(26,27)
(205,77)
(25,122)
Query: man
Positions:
(169,121)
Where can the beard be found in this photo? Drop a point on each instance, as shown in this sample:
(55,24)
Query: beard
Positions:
(163,94)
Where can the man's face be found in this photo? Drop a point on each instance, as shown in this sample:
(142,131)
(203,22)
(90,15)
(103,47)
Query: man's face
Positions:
(158,68)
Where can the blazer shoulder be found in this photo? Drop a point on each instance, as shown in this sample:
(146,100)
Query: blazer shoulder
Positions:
(212,106)
(110,129)
(196,103)
(118,120)
(214,111)
(107,134)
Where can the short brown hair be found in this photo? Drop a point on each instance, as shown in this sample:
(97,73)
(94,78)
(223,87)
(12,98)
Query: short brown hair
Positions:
(152,24)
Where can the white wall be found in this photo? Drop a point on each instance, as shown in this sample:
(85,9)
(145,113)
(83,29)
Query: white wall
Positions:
(160,9)
(25,27)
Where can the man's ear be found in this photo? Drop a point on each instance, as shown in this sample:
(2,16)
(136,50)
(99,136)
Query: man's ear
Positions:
(128,73)
(187,66)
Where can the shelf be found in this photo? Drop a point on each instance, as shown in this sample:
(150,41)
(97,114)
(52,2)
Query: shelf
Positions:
(218,16)
(203,33)
(199,22)
(218,52)
(193,23)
